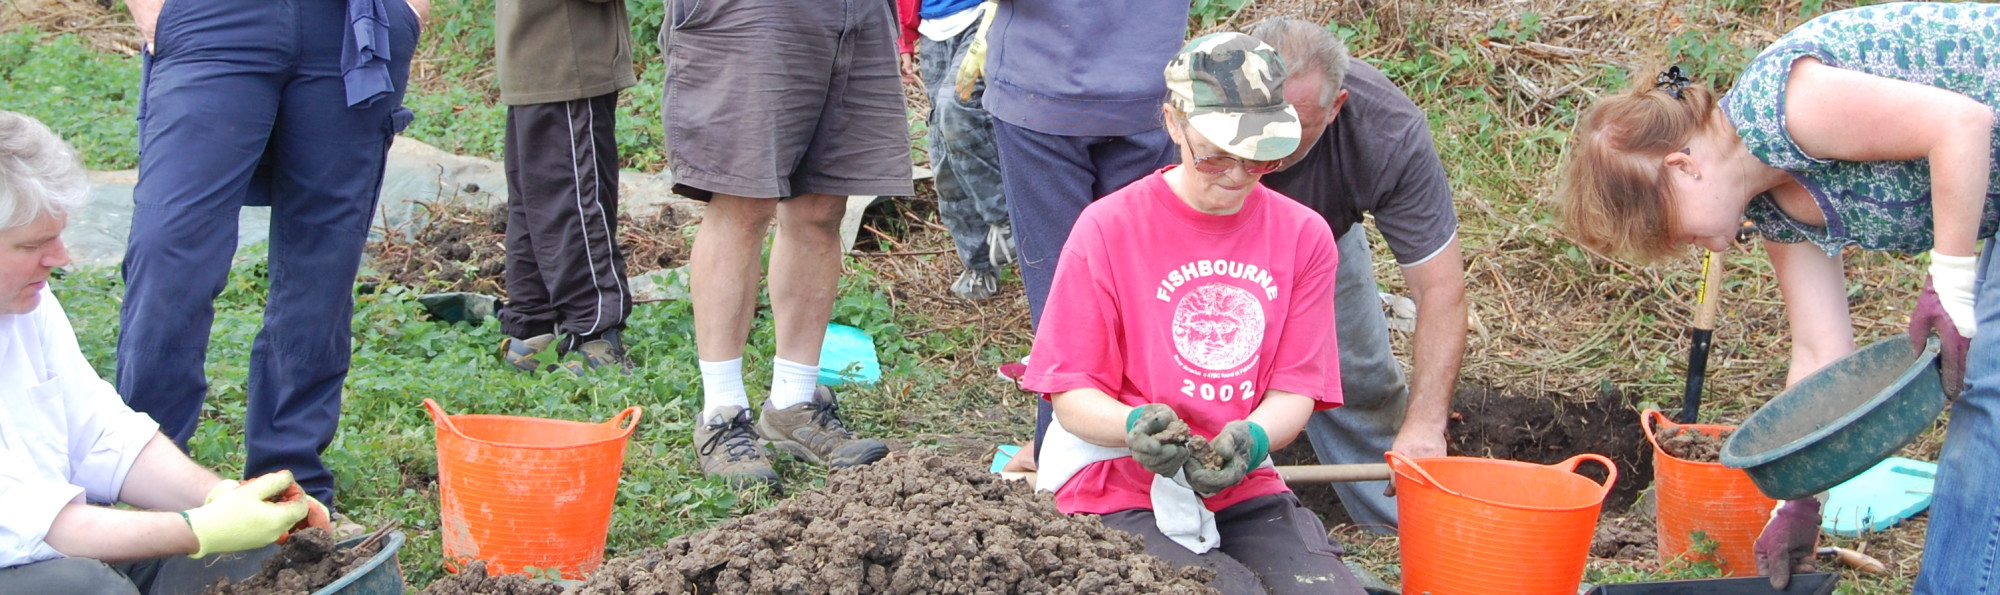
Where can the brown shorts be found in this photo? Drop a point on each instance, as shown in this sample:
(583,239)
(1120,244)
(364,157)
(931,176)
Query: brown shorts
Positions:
(778,98)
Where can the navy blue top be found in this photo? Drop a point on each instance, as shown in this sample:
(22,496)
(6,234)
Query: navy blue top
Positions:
(1073,68)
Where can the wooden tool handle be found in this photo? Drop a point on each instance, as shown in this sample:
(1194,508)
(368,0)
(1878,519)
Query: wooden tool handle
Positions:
(1857,560)
(1334,473)
(1711,286)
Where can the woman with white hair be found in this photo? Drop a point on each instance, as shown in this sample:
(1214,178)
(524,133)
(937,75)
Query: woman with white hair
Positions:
(69,447)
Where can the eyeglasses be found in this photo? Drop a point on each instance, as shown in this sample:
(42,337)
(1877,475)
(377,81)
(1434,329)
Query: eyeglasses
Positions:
(1216,165)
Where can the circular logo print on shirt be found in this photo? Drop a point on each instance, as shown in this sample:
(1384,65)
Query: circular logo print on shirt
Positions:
(1218,326)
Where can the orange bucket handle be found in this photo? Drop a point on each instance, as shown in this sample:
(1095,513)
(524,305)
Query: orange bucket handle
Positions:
(625,421)
(1610,477)
(438,417)
(1397,462)
(1647,422)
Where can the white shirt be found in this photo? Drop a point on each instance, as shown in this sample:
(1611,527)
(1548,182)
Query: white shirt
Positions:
(65,434)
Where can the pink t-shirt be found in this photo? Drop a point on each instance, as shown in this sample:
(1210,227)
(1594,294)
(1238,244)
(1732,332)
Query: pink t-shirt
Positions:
(1155,302)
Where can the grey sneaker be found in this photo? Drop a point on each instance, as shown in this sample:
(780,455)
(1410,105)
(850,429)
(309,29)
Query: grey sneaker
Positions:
(525,354)
(603,352)
(975,285)
(813,431)
(728,449)
(1000,245)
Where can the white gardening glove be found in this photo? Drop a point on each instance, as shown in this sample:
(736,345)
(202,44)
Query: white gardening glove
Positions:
(1953,277)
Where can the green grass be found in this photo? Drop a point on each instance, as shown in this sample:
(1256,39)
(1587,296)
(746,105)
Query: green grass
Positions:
(385,449)
(90,97)
(1554,318)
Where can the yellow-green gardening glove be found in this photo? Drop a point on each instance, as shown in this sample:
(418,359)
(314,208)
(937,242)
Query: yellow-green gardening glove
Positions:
(243,518)
(974,64)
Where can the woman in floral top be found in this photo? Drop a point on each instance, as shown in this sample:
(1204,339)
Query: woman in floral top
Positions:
(1871,127)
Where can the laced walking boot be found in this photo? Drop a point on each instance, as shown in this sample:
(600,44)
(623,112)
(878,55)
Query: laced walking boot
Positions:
(728,449)
(813,431)
(603,352)
(525,354)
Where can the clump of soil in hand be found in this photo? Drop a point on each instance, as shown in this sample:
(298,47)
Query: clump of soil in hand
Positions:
(1629,536)
(1203,453)
(473,580)
(911,523)
(306,563)
(1177,431)
(1692,445)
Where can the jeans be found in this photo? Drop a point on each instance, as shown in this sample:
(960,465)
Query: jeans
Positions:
(963,156)
(243,104)
(1962,550)
(1365,425)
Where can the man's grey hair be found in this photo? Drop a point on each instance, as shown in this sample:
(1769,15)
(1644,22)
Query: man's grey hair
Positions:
(40,175)
(1307,47)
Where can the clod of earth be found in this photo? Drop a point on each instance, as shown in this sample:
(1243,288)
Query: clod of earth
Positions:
(1203,453)
(1691,445)
(473,580)
(1628,536)
(912,523)
(306,563)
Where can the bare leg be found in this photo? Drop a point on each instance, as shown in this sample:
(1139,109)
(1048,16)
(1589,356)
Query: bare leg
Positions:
(726,268)
(805,273)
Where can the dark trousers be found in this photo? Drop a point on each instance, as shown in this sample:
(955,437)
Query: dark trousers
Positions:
(243,104)
(1270,544)
(172,575)
(565,272)
(1048,180)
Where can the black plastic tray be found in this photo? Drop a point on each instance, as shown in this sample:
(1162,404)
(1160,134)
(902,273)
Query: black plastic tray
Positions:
(1819,583)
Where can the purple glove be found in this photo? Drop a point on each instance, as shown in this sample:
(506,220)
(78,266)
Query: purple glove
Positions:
(1930,317)
(1788,541)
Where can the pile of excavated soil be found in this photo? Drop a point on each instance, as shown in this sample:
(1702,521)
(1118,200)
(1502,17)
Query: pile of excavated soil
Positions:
(1550,428)
(307,562)
(474,581)
(916,522)
(1690,445)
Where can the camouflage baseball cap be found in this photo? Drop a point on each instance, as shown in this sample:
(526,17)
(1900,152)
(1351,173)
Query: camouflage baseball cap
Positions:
(1231,86)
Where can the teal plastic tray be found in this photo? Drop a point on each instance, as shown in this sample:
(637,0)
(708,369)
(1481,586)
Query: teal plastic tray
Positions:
(1888,493)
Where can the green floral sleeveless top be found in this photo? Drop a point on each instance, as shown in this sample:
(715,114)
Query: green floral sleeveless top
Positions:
(1879,205)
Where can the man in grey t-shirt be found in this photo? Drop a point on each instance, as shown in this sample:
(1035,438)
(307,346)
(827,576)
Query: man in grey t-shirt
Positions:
(1367,148)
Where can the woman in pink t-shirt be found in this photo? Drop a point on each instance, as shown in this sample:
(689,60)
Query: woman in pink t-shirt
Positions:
(1197,301)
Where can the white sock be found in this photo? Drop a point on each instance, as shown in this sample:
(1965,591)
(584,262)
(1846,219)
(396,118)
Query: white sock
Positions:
(792,383)
(722,386)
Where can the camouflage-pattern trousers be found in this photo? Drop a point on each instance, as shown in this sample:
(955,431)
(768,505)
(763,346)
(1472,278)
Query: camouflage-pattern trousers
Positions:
(963,157)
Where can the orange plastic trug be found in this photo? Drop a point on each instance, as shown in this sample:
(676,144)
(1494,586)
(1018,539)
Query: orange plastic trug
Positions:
(522,492)
(1720,502)
(1473,526)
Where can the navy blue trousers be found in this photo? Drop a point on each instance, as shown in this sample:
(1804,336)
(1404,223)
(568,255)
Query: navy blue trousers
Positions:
(243,104)
(1048,180)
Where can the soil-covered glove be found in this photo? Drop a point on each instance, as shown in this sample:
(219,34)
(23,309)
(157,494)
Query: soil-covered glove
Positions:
(1788,541)
(244,518)
(1932,316)
(973,66)
(1242,447)
(1164,457)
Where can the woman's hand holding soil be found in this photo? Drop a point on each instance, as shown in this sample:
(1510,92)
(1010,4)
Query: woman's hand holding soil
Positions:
(1157,438)
(1241,447)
